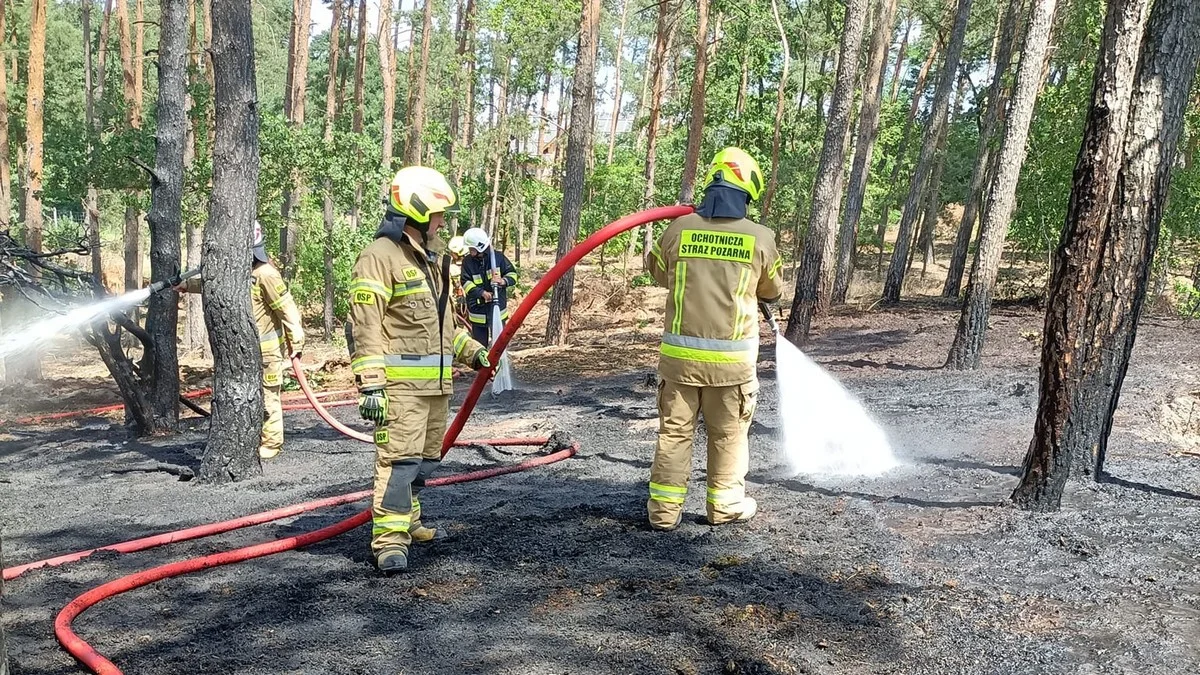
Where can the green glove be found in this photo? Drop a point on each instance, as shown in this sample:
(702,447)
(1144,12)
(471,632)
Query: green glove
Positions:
(481,360)
(373,406)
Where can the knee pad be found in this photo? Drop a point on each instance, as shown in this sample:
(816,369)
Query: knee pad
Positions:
(398,495)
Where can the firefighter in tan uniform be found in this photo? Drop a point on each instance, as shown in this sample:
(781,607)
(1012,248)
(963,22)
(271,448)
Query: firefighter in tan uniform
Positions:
(404,344)
(717,266)
(280,337)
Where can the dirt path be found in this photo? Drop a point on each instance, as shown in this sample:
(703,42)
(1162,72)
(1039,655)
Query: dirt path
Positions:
(926,570)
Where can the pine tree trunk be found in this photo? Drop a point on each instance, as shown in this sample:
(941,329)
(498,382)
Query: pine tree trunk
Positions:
(232,449)
(663,36)
(195,338)
(894,282)
(139,62)
(780,97)
(618,61)
(413,148)
(492,221)
(102,56)
(996,101)
(1102,264)
(537,222)
(91,206)
(579,145)
(295,91)
(35,94)
(933,206)
(360,66)
(967,349)
(166,209)
(868,130)
(462,71)
(691,158)
(331,101)
(5,170)
(902,149)
(901,56)
(814,279)
(387,69)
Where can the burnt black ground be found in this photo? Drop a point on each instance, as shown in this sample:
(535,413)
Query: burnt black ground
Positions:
(926,570)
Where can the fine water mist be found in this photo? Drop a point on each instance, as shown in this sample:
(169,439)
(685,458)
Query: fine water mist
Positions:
(35,335)
(825,429)
(502,378)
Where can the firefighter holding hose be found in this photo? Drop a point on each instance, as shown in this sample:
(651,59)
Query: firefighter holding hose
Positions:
(280,337)
(717,266)
(404,343)
(487,275)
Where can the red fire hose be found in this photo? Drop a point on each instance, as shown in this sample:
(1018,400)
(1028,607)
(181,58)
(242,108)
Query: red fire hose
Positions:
(97,663)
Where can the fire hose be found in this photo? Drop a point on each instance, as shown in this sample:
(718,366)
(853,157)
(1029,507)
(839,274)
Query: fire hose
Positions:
(97,663)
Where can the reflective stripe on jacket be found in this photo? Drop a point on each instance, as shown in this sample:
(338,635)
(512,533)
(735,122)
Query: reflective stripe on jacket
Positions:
(716,271)
(477,278)
(395,289)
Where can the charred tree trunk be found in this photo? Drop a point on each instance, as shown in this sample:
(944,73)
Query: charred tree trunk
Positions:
(579,144)
(166,209)
(941,105)
(618,59)
(331,100)
(780,98)
(691,158)
(868,130)
(814,279)
(972,323)
(232,450)
(1102,264)
(996,101)
(413,148)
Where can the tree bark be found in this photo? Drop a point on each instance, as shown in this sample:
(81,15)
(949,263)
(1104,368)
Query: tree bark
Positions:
(967,350)
(195,338)
(618,59)
(413,149)
(387,68)
(814,279)
(295,91)
(5,170)
(933,207)
(901,55)
(139,62)
(35,94)
(102,56)
(996,101)
(232,449)
(579,144)
(1102,264)
(941,104)
(360,66)
(868,131)
(331,101)
(691,158)
(780,97)
(462,71)
(166,209)
(664,36)
(91,206)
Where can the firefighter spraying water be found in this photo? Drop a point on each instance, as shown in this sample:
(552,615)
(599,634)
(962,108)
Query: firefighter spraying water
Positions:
(487,276)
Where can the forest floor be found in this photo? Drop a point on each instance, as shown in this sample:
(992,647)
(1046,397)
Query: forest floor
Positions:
(925,570)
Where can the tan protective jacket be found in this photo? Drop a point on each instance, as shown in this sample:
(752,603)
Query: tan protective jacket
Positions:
(399,342)
(275,313)
(716,271)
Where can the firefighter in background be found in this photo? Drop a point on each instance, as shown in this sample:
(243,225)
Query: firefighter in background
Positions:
(404,343)
(458,251)
(717,266)
(486,280)
(280,337)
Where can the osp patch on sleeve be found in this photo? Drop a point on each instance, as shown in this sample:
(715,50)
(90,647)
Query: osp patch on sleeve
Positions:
(280,288)
(381,437)
(411,274)
(364,298)
(728,246)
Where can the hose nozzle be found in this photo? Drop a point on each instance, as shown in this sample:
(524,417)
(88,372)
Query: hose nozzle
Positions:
(173,281)
(769,316)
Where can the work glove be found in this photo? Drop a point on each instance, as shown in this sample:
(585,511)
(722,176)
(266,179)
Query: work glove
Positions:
(373,406)
(481,360)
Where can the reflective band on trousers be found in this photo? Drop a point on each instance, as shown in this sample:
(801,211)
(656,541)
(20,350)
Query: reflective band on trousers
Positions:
(483,318)
(268,341)
(718,497)
(418,367)
(708,350)
(399,522)
(667,493)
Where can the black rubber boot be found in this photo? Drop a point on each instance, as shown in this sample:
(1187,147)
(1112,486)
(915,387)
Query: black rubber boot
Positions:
(392,562)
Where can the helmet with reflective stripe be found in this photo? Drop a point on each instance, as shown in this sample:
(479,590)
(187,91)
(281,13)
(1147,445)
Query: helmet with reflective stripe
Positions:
(476,239)
(737,168)
(419,191)
(458,246)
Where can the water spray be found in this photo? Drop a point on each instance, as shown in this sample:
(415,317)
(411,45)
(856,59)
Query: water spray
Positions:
(826,431)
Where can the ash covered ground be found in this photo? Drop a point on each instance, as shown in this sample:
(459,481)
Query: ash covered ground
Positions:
(926,570)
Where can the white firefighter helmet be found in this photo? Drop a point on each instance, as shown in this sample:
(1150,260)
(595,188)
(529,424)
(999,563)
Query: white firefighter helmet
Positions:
(458,246)
(477,240)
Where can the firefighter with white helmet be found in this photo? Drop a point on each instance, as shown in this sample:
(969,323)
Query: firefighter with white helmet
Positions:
(717,266)
(487,277)
(404,343)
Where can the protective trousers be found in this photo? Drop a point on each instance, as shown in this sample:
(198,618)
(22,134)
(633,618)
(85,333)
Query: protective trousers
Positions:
(272,431)
(480,333)
(727,414)
(408,449)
